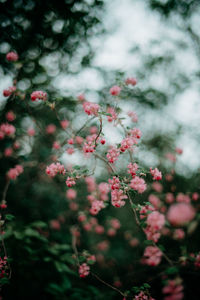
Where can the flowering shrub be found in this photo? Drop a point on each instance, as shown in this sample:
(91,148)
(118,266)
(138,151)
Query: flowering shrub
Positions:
(92,208)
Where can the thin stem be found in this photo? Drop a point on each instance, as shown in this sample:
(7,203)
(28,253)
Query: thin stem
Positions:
(5,190)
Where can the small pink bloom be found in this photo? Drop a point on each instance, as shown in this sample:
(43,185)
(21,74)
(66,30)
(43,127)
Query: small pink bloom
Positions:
(81,97)
(31,131)
(10,116)
(8,92)
(70,181)
(115,90)
(84,270)
(180,214)
(138,184)
(152,256)
(71,194)
(64,124)
(39,95)
(50,129)
(12,56)
(56,145)
(8,152)
(157,175)
(131,80)
(91,108)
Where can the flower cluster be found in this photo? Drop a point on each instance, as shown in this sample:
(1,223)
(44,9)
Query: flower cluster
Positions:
(39,95)
(13,173)
(55,168)
(91,108)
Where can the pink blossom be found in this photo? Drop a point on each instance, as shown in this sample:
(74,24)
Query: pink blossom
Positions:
(71,194)
(135,132)
(154,200)
(156,220)
(84,270)
(70,181)
(88,148)
(99,229)
(117,198)
(10,116)
(157,186)
(56,145)
(55,168)
(183,198)
(8,92)
(12,56)
(115,223)
(8,151)
(178,234)
(38,95)
(180,214)
(138,184)
(152,256)
(133,116)
(131,80)
(13,173)
(64,124)
(115,90)
(91,184)
(169,198)
(174,290)
(70,150)
(31,131)
(96,207)
(50,129)
(81,97)
(93,129)
(195,196)
(79,140)
(102,141)
(179,150)
(157,175)
(70,141)
(132,168)
(91,108)
(127,143)
(113,114)
(113,154)
(55,224)
(114,183)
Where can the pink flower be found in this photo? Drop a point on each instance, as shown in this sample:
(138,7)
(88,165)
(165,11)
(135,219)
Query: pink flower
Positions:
(8,151)
(70,181)
(157,175)
(71,194)
(131,80)
(114,183)
(113,114)
(132,168)
(12,56)
(56,145)
(91,184)
(135,132)
(55,224)
(31,131)
(154,200)
(13,173)
(10,116)
(157,186)
(70,151)
(93,129)
(115,90)
(179,150)
(180,214)
(96,207)
(179,234)
(50,129)
(79,140)
(138,184)
(133,116)
(88,148)
(156,220)
(115,223)
(39,95)
(81,97)
(174,290)
(64,124)
(91,108)
(117,198)
(152,256)
(70,141)
(128,143)
(8,92)
(84,270)
(113,154)
(55,168)
(102,141)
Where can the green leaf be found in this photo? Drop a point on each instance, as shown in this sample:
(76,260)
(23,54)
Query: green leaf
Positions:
(171,270)
(9,217)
